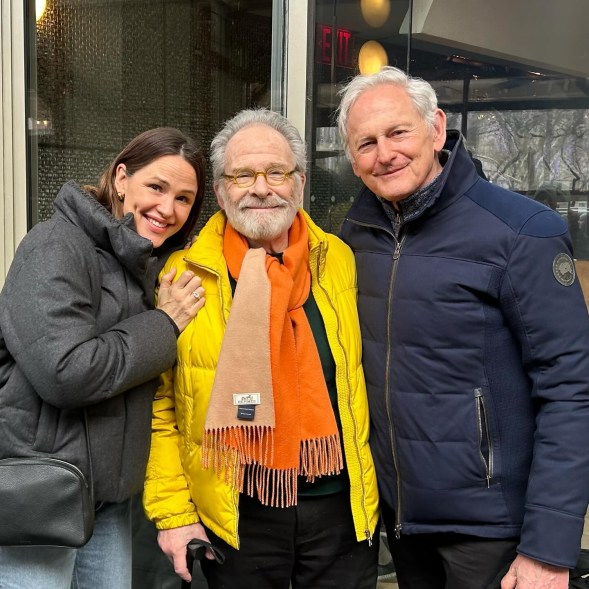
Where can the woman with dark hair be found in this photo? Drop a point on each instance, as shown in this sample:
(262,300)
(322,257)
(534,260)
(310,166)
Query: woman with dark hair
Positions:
(82,346)
(140,153)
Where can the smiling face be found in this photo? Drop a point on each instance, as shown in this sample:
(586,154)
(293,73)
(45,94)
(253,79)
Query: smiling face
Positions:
(263,214)
(159,196)
(393,149)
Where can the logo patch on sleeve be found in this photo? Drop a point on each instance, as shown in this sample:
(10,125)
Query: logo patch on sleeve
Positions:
(563,269)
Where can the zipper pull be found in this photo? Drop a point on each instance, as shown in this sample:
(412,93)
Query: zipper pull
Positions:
(397,251)
(368,537)
(398,531)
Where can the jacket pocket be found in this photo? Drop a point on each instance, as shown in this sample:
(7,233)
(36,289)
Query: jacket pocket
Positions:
(484,432)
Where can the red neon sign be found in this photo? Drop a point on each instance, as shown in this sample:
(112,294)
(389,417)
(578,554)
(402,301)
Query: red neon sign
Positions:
(338,47)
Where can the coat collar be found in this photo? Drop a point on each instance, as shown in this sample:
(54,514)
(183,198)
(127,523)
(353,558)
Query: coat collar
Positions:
(116,236)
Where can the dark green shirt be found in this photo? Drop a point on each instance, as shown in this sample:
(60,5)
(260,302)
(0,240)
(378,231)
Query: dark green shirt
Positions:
(325,485)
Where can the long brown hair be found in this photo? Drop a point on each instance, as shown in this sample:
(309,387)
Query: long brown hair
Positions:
(140,152)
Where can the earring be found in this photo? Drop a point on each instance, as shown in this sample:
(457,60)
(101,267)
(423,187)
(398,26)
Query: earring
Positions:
(121,196)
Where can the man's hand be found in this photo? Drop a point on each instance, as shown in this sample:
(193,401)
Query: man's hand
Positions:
(173,543)
(526,573)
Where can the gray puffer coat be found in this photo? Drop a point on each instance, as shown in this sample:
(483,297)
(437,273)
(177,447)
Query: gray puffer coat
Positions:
(78,329)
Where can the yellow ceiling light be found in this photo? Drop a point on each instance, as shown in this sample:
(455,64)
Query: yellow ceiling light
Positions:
(40,6)
(375,12)
(372,57)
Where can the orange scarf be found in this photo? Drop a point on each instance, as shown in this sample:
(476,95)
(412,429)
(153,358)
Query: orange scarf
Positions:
(268,348)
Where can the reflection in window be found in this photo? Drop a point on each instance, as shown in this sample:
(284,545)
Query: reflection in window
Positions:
(523,149)
(540,153)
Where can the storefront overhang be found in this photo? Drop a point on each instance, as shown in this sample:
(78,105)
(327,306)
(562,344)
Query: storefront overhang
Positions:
(525,32)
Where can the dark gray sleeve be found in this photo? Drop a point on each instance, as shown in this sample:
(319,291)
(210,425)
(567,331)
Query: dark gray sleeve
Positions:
(48,314)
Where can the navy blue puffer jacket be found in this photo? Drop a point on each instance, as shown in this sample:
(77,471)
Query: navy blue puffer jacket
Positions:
(477,364)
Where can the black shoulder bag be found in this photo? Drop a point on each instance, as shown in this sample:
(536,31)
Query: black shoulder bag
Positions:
(46,501)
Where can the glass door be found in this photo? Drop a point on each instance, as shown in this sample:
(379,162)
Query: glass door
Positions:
(102,72)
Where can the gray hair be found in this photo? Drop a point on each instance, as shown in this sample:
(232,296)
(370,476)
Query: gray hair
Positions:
(259,116)
(420,92)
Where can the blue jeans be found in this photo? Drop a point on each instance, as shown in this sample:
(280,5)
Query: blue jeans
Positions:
(104,563)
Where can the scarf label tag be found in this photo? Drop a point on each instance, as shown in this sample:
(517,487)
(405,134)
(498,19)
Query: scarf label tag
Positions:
(246,399)
(246,412)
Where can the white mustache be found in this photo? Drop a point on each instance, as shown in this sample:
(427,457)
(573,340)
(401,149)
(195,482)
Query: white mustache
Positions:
(262,203)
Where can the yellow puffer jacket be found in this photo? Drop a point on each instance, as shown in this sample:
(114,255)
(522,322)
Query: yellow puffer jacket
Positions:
(178,490)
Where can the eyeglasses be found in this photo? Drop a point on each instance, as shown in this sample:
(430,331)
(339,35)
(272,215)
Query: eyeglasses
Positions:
(246,177)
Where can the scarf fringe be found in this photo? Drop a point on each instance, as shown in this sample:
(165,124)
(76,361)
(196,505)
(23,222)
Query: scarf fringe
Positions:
(322,456)
(272,487)
(223,450)
(223,446)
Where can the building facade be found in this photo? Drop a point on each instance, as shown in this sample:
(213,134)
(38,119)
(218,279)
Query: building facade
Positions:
(81,77)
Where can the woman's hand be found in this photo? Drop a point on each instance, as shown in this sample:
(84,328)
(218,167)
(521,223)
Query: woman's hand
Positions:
(181,300)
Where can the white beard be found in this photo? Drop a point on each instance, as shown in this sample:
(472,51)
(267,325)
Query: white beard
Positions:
(259,226)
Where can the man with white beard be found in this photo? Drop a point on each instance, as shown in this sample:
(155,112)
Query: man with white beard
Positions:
(260,432)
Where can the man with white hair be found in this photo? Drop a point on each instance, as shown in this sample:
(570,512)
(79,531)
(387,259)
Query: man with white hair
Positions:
(475,349)
(260,433)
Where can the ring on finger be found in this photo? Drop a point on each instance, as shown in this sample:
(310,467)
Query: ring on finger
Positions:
(196,295)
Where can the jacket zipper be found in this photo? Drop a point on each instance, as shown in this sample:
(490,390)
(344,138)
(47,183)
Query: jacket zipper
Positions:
(367,533)
(484,434)
(396,255)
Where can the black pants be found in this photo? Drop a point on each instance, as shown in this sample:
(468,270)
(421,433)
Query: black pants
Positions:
(312,546)
(447,560)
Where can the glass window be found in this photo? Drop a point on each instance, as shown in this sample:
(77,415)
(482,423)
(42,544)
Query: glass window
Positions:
(102,72)
(527,127)
(349,36)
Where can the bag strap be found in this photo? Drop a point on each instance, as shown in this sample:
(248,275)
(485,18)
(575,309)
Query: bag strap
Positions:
(90,469)
(49,414)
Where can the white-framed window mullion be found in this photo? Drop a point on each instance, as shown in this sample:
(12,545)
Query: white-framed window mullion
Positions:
(13,154)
